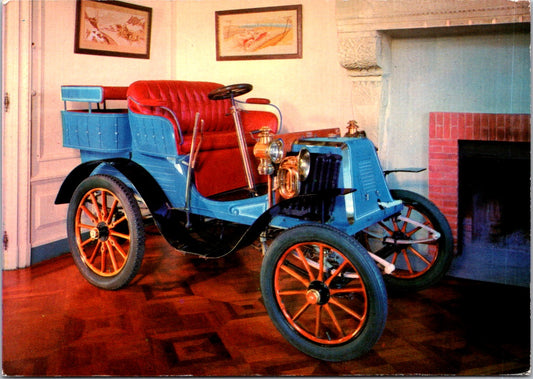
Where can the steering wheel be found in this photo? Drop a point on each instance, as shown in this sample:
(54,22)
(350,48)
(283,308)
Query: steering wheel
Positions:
(232,90)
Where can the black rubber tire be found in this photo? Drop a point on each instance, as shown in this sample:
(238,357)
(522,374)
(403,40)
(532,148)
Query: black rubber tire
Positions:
(108,236)
(366,331)
(433,273)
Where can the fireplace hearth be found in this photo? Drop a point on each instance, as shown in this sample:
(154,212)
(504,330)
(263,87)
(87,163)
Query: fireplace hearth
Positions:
(494,198)
(494,204)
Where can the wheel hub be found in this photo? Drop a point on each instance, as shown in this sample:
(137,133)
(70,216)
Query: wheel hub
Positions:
(399,235)
(313,296)
(317,293)
(101,232)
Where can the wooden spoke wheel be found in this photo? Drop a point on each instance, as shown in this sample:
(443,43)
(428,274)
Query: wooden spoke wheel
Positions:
(105,231)
(421,263)
(324,293)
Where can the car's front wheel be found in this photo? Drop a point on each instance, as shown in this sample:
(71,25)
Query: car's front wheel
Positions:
(323,292)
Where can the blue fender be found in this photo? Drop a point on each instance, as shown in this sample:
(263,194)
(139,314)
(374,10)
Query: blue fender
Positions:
(144,183)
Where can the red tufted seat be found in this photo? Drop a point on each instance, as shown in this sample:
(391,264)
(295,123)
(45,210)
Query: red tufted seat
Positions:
(186,98)
(219,167)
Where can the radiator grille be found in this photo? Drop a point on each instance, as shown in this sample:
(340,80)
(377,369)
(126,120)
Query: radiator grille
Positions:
(322,177)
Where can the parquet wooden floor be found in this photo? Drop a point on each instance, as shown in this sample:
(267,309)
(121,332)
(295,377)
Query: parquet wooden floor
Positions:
(188,316)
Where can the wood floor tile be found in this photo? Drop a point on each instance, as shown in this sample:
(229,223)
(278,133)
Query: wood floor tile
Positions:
(184,315)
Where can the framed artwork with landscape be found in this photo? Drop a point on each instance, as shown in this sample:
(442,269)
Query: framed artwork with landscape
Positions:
(259,33)
(113,28)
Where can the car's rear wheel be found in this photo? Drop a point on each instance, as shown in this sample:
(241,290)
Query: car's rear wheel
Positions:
(105,232)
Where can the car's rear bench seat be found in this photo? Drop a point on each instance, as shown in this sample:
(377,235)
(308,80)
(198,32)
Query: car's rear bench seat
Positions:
(175,103)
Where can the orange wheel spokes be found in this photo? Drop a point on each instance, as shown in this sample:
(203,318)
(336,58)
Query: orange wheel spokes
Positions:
(95,252)
(112,211)
(318,320)
(334,319)
(111,255)
(337,272)
(103,214)
(119,235)
(413,260)
(305,263)
(414,263)
(320,293)
(295,275)
(419,255)
(102,232)
(407,214)
(385,227)
(115,223)
(92,217)
(417,258)
(407,262)
(300,312)
(321,264)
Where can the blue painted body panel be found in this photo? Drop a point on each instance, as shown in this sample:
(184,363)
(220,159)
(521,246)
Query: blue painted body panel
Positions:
(95,131)
(82,94)
(152,135)
(150,142)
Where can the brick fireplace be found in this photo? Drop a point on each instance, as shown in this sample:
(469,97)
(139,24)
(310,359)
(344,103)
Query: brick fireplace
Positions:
(503,184)
(445,131)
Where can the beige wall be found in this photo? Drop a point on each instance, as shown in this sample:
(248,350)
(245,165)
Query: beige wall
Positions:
(61,65)
(312,92)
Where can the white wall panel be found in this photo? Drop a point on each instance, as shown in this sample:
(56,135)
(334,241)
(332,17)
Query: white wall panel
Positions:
(48,219)
(54,64)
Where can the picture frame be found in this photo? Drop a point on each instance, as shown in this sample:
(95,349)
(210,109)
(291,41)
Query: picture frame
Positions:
(259,33)
(113,28)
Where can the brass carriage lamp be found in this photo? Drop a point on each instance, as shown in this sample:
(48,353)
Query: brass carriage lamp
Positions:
(268,151)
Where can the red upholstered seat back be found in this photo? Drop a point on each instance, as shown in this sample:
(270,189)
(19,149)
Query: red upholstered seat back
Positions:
(219,166)
(185,98)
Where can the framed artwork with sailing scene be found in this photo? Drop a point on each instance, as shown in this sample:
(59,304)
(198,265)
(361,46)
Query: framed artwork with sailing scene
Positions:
(259,33)
(113,28)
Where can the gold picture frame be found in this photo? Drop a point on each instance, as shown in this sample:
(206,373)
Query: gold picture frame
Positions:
(113,28)
(259,33)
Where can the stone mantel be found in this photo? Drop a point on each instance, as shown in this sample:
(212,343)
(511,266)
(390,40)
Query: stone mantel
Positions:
(364,15)
(361,23)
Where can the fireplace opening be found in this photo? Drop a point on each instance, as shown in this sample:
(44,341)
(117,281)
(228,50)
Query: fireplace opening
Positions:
(494,205)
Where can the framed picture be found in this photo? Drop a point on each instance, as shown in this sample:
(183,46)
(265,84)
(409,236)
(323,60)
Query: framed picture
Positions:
(113,28)
(259,33)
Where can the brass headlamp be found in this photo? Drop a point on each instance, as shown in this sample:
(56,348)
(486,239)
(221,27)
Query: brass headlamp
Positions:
(268,151)
(292,171)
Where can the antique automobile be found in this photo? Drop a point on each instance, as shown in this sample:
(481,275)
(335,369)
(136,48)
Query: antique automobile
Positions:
(214,174)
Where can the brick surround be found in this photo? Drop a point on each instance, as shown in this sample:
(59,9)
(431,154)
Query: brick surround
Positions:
(445,130)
